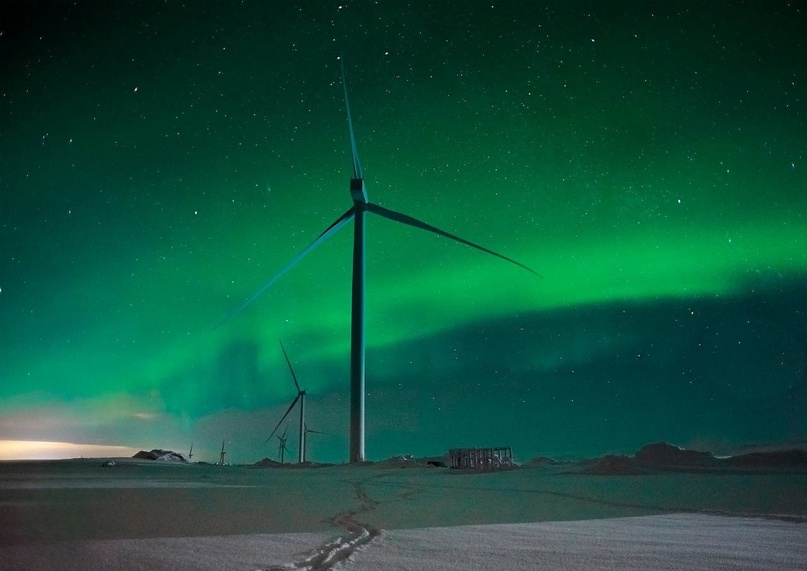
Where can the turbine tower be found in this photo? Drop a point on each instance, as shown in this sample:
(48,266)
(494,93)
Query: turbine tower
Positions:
(361,206)
(300,397)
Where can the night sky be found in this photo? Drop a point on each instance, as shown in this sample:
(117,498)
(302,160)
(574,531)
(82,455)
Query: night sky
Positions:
(160,161)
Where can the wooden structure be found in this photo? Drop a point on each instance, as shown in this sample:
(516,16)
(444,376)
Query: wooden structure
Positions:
(481,459)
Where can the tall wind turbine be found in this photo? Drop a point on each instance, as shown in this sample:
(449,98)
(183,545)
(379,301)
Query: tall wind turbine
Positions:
(361,205)
(300,397)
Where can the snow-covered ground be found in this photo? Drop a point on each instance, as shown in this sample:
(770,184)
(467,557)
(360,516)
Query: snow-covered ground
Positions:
(667,542)
(79,515)
(217,553)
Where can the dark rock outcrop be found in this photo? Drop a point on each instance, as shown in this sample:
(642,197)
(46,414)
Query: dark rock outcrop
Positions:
(160,455)
(664,454)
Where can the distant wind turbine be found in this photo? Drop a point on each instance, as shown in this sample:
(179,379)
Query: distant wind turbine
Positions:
(190,453)
(221,457)
(281,449)
(300,397)
(361,205)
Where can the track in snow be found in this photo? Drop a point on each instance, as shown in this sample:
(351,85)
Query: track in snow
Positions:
(357,536)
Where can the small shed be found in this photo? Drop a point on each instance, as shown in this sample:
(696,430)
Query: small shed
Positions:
(481,459)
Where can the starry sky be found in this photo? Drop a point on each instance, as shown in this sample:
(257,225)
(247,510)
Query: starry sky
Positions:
(160,161)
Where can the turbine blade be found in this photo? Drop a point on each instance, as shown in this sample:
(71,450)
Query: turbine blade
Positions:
(307,430)
(294,402)
(293,376)
(354,151)
(415,223)
(329,231)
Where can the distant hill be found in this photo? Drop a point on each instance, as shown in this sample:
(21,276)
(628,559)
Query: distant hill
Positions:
(664,456)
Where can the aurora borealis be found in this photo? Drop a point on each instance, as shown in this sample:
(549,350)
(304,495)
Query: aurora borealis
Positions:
(159,161)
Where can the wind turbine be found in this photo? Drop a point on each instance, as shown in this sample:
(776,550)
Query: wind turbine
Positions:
(221,457)
(300,397)
(361,206)
(281,449)
(190,453)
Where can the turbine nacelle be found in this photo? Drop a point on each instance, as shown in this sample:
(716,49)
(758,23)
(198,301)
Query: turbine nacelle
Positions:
(358,191)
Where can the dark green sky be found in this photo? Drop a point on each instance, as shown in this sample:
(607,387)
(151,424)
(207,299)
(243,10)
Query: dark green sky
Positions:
(160,161)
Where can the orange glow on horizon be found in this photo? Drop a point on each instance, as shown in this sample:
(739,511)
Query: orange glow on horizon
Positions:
(39,450)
